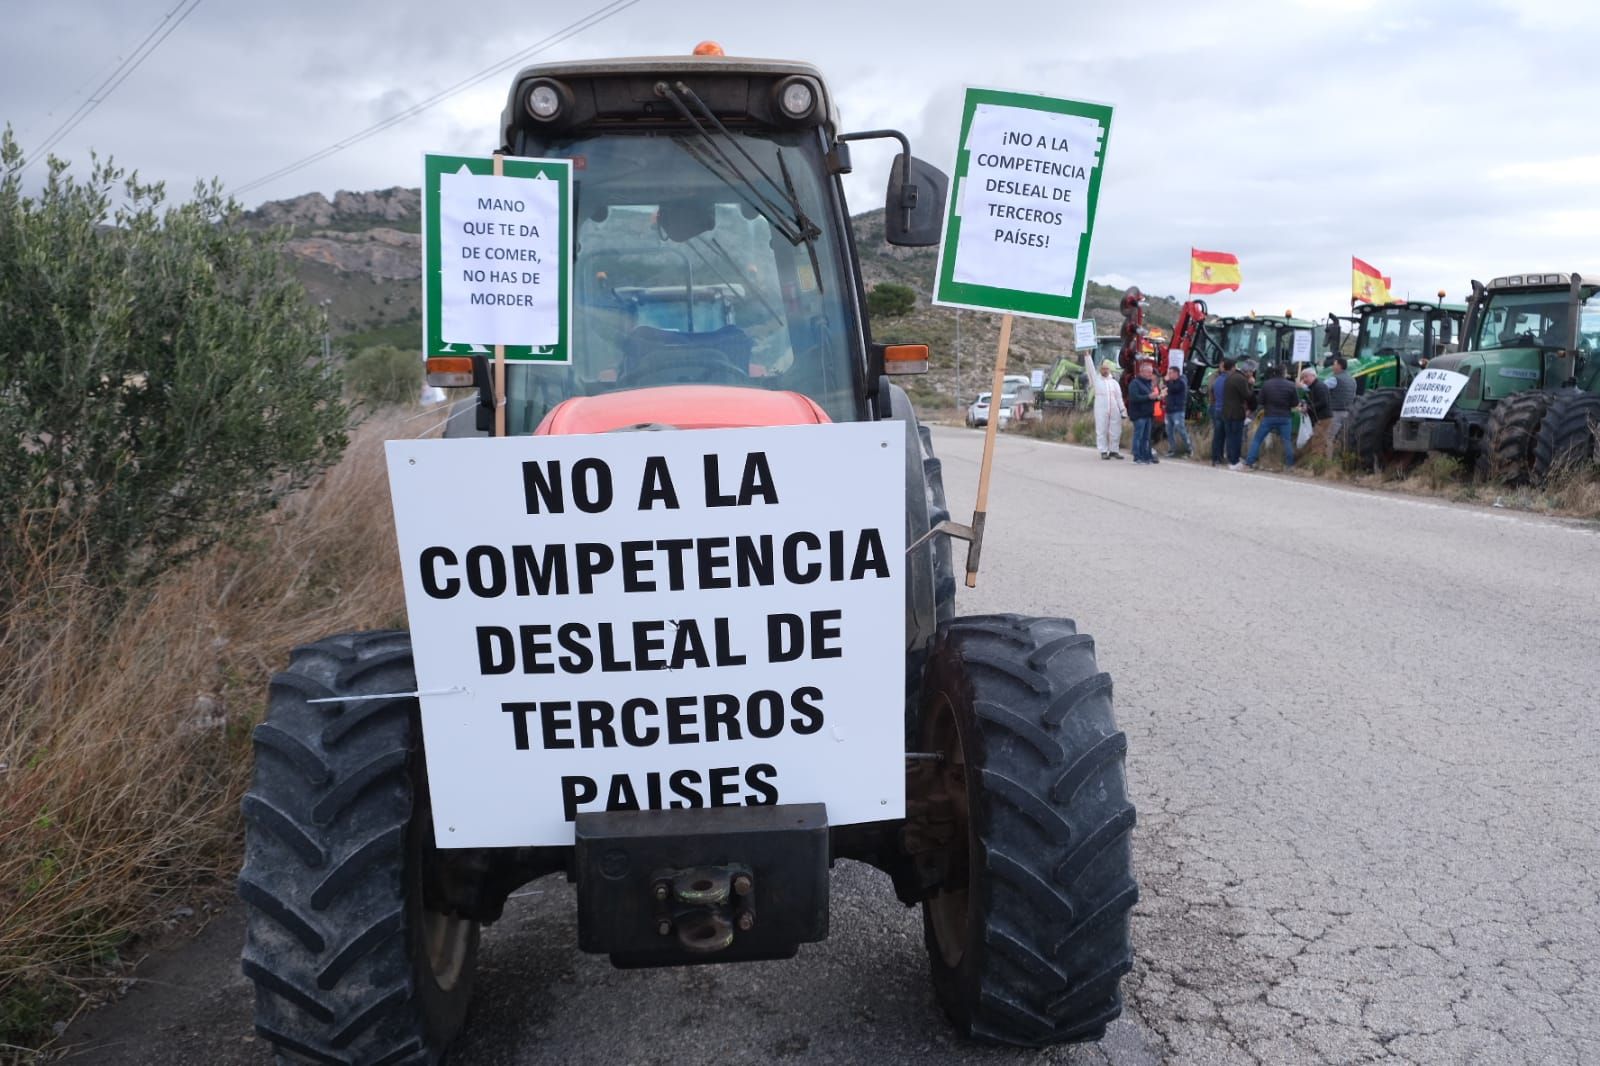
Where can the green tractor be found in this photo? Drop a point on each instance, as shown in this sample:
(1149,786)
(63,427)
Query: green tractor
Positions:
(1393,342)
(1064,388)
(1529,359)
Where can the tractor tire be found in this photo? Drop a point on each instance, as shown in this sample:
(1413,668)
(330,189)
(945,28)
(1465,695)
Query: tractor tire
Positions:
(1512,436)
(1567,434)
(1369,431)
(349,964)
(1027,929)
(944,575)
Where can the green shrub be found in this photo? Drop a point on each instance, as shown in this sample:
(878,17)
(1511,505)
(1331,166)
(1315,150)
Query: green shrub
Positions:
(159,367)
(384,376)
(890,300)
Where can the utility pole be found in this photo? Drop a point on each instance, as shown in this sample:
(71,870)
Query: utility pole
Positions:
(957,389)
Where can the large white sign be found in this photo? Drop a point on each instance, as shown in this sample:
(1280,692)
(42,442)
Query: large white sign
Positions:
(1431,394)
(655,620)
(500,256)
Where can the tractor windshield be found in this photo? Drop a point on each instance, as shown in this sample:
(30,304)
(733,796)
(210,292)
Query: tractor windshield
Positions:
(1248,339)
(1525,318)
(1392,331)
(1589,322)
(682,276)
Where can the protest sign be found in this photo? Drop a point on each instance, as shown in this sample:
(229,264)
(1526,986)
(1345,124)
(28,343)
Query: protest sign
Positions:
(496,249)
(1022,204)
(1431,394)
(655,620)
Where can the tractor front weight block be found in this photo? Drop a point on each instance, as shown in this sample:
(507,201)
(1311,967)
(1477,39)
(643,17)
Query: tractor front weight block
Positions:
(723,884)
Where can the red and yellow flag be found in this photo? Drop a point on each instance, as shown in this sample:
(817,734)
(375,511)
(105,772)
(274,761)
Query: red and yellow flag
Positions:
(1212,272)
(1366,284)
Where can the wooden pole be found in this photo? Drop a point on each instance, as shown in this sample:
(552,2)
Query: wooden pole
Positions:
(996,391)
(499,349)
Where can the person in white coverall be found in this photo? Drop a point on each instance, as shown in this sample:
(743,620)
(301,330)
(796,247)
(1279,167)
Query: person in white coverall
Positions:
(1109,409)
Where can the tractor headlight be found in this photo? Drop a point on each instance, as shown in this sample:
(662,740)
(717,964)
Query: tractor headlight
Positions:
(545,101)
(797,99)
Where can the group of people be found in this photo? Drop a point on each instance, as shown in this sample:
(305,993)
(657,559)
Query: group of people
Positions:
(1144,392)
(1234,396)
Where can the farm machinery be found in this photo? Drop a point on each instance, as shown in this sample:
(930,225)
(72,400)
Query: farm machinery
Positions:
(716,287)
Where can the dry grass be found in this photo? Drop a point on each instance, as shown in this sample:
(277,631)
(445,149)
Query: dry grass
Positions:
(124,740)
(1573,492)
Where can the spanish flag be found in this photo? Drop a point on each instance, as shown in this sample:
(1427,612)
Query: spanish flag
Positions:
(1211,272)
(1366,284)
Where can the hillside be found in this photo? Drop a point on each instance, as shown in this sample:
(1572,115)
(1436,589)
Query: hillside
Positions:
(359,254)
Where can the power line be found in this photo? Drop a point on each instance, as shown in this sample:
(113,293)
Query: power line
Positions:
(594,18)
(152,40)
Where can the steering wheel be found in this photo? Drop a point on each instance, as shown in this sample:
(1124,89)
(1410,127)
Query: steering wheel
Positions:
(684,366)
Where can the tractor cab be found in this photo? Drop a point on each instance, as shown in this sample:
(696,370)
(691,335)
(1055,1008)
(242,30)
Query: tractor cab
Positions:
(1265,340)
(711,243)
(1395,340)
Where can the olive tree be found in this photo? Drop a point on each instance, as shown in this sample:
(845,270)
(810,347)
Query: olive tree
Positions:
(161,380)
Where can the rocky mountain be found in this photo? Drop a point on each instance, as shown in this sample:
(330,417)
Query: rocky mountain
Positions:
(359,256)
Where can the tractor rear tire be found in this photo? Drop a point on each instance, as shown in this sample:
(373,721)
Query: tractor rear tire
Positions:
(1567,434)
(1027,933)
(1369,432)
(349,963)
(1510,440)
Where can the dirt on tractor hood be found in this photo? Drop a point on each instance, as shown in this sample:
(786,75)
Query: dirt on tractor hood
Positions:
(680,407)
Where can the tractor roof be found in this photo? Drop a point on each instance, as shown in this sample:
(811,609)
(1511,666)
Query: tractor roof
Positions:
(1540,281)
(1431,305)
(636,71)
(1274,320)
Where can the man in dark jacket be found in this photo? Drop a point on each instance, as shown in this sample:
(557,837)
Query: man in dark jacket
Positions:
(1219,435)
(1278,401)
(1319,406)
(1177,402)
(1237,400)
(1142,395)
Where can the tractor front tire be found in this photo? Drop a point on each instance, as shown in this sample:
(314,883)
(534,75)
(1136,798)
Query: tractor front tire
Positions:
(1027,931)
(1369,431)
(1567,434)
(1510,439)
(349,962)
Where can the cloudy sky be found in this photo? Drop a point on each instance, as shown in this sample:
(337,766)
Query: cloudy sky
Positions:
(1438,141)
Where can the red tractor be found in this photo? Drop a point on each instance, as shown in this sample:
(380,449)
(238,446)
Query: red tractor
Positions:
(716,284)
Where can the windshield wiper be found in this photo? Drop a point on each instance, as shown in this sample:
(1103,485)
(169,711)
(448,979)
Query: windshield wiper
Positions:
(795,226)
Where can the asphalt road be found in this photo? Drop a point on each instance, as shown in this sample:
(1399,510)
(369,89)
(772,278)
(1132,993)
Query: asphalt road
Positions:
(1362,743)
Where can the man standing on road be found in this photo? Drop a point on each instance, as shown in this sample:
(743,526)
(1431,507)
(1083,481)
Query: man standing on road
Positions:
(1177,402)
(1278,400)
(1219,435)
(1236,401)
(1108,408)
(1317,406)
(1142,393)
(1341,397)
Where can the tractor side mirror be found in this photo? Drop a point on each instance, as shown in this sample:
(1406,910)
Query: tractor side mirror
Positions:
(914,205)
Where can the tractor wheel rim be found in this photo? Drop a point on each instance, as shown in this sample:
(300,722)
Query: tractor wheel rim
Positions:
(447,940)
(948,908)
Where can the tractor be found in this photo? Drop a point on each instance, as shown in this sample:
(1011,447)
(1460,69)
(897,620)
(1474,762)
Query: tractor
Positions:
(1064,386)
(1529,359)
(1393,342)
(716,284)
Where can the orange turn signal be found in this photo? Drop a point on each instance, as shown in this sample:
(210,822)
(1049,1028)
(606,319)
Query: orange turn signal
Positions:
(905,359)
(450,371)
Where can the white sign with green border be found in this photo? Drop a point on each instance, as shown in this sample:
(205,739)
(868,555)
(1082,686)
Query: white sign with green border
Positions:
(1022,204)
(496,255)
